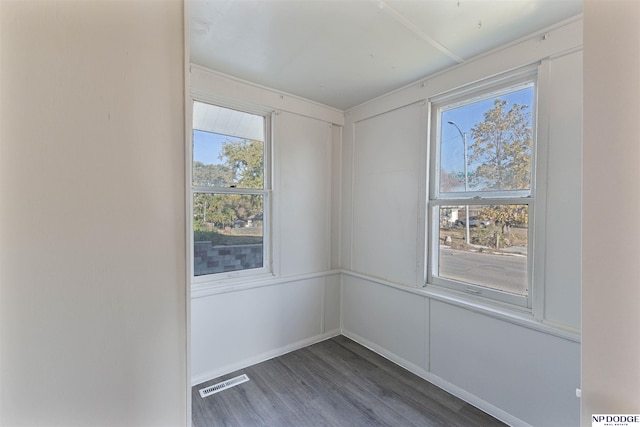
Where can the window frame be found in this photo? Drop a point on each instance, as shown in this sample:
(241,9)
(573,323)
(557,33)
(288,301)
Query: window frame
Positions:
(435,198)
(266,192)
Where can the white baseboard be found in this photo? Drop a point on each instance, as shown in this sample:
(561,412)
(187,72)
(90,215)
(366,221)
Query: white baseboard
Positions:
(460,393)
(227,369)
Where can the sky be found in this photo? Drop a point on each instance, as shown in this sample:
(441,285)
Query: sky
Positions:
(207,146)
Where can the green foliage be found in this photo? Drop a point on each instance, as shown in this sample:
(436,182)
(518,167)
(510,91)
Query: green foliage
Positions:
(242,167)
(224,210)
(206,235)
(244,160)
(211,175)
(219,239)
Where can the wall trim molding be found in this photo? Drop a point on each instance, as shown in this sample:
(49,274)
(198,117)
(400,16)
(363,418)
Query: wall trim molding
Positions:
(232,89)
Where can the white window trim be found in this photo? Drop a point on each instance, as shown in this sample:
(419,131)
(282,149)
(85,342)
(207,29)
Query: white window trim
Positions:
(238,276)
(532,302)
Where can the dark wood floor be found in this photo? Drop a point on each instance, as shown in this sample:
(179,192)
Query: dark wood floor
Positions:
(336,382)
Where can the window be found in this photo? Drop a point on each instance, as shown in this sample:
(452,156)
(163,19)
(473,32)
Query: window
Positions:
(482,193)
(229,192)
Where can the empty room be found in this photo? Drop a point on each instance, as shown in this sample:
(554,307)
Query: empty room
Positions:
(319,212)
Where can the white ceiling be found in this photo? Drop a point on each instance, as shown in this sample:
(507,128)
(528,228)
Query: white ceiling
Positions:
(342,53)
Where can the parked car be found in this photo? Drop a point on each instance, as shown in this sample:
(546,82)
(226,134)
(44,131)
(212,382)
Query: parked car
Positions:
(474,221)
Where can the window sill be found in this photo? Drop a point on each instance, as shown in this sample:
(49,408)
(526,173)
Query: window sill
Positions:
(515,315)
(215,287)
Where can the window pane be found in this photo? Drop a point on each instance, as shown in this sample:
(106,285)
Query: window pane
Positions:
(227,232)
(486,145)
(227,162)
(228,148)
(496,254)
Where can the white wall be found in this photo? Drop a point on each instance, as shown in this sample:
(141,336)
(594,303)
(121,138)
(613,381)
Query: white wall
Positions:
(232,330)
(528,374)
(302,150)
(611,271)
(509,364)
(388,169)
(92,264)
(233,326)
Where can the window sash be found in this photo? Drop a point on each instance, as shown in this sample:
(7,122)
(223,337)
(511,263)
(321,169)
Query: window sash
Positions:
(266,246)
(491,294)
(527,78)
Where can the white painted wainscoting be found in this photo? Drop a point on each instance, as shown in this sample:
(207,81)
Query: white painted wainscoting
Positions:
(232,330)
(514,372)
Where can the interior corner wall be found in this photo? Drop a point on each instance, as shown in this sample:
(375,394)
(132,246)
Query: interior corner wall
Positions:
(299,304)
(92,260)
(610,269)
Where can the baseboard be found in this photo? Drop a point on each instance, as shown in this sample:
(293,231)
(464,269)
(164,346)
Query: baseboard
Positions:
(227,369)
(460,393)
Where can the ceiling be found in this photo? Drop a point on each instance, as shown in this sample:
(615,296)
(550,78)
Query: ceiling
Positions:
(341,53)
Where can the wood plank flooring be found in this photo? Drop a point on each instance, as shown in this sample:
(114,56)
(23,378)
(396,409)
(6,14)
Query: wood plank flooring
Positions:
(336,382)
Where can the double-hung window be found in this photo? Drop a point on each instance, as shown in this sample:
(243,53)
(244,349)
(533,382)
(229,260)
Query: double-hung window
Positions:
(481,195)
(229,192)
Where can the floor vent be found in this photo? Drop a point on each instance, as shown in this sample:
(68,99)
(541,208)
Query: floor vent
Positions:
(213,389)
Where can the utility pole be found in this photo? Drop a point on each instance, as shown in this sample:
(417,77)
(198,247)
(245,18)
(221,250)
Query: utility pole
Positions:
(466,177)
